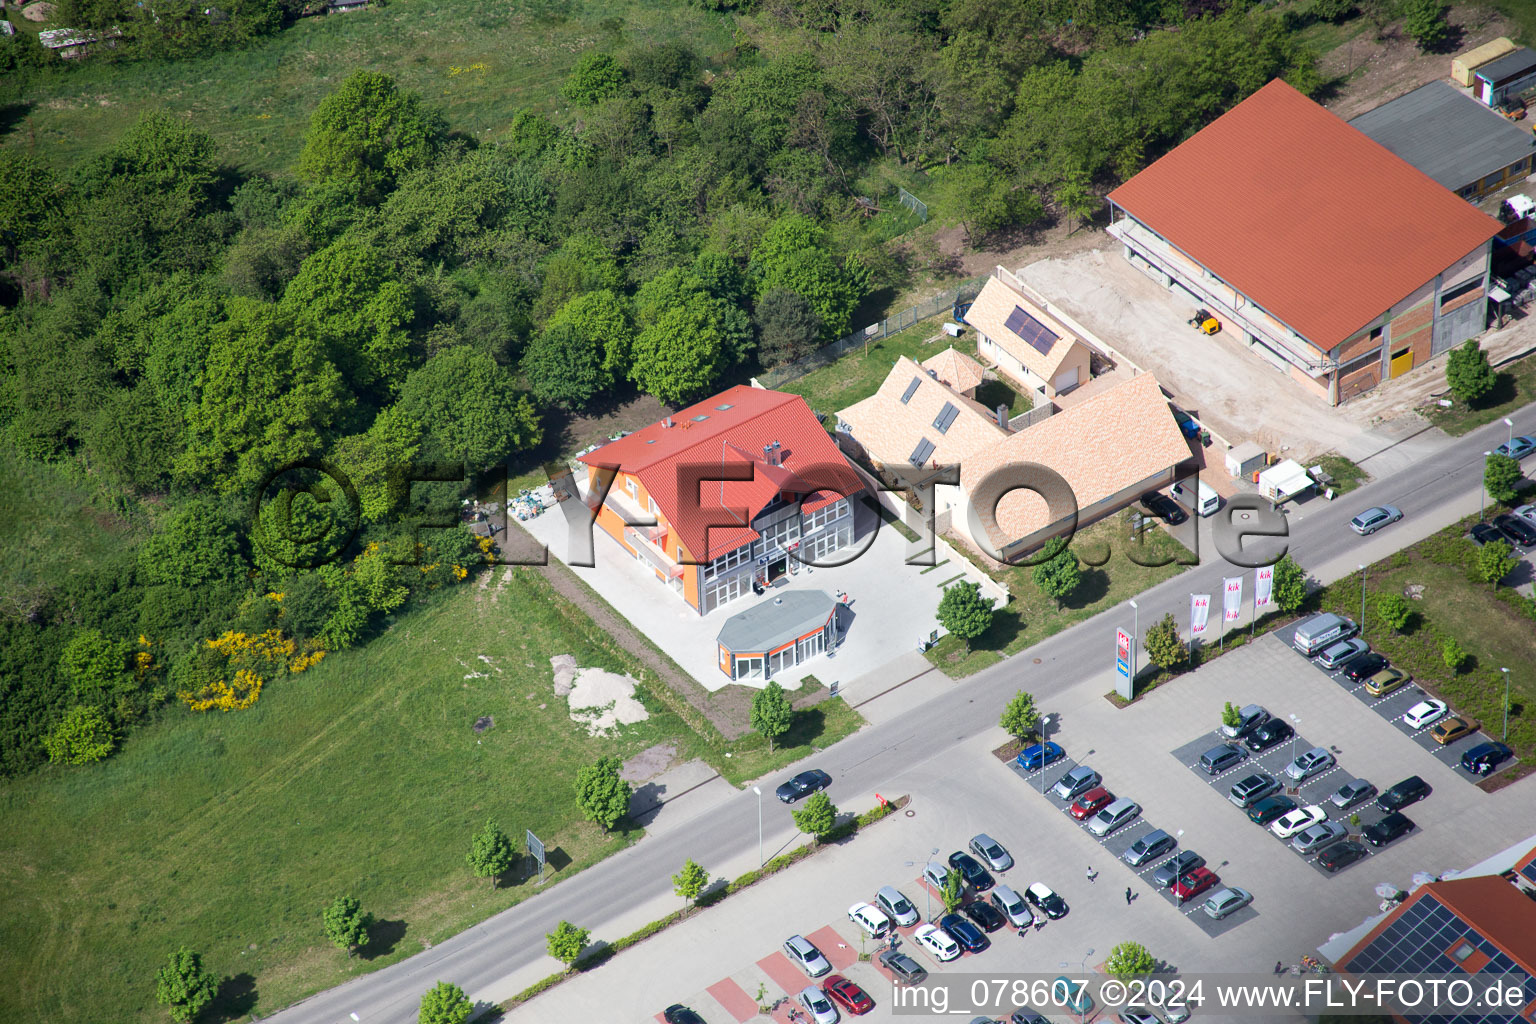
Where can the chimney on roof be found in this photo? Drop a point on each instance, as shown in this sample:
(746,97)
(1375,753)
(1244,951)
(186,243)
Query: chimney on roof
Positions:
(1002,416)
(666,421)
(932,373)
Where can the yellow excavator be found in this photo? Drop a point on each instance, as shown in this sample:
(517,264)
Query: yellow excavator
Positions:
(1204,322)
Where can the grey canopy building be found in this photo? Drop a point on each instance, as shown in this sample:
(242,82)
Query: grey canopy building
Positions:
(776,635)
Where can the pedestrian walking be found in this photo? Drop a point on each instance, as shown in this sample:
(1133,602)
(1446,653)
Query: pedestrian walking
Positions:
(1092,874)
(1127,895)
(1279,966)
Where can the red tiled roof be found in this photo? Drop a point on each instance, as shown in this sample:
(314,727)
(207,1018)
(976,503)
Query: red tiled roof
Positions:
(1308,217)
(735,426)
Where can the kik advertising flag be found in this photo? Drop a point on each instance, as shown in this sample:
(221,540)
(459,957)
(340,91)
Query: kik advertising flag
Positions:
(1232,598)
(1263,587)
(1199,613)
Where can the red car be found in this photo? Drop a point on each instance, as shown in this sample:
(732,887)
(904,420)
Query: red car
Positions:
(1194,883)
(848,995)
(1091,801)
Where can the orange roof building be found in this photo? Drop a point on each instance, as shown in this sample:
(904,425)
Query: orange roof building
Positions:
(1328,255)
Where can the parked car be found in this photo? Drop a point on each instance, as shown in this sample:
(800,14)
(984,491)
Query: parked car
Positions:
(817,1005)
(1150,847)
(1039,755)
(971,938)
(1043,896)
(1388,680)
(1090,802)
(869,920)
(1292,822)
(1321,632)
(1380,833)
(1309,763)
(1365,666)
(991,852)
(1225,902)
(1163,507)
(1482,533)
(896,906)
(1340,855)
(1309,840)
(1425,712)
(1180,865)
(1527,512)
(1517,447)
(806,956)
(1193,884)
(1249,791)
(803,785)
(906,970)
(1374,518)
(1452,729)
(1220,758)
(848,995)
(1410,791)
(936,874)
(1355,791)
(1342,653)
(1248,718)
(984,915)
(1072,995)
(1117,815)
(1268,735)
(1485,757)
(938,944)
(1176,1014)
(1076,782)
(1011,905)
(1270,808)
(1515,529)
(1026,1017)
(677,1013)
(1136,1017)
(971,870)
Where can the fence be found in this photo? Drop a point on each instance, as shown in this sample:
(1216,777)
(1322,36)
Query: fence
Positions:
(912,203)
(826,355)
(1029,419)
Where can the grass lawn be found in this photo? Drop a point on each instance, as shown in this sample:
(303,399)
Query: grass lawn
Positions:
(229,832)
(1515,387)
(1032,615)
(858,374)
(1346,475)
(477,62)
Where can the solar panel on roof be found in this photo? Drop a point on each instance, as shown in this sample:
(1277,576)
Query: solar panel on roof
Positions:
(906,395)
(945,417)
(920,454)
(1039,336)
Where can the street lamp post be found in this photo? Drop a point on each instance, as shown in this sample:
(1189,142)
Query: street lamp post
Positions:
(1506,704)
(1510,424)
(1135,639)
(1482,494)
(758,790)
(1083,963)
(1045,722)
(1362,600)
(1294,734)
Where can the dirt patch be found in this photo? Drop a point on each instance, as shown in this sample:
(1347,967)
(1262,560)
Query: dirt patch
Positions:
(37,12)
(649,763)
(483,723)
(565,671)
(599,699)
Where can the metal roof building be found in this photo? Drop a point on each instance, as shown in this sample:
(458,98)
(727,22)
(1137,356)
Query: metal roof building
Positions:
(1510,75)
(1451,137)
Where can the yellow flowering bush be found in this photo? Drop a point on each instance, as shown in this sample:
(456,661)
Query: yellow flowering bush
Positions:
(249,656)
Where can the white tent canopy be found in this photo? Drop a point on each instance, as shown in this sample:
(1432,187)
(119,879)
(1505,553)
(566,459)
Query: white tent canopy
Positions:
(1284,480)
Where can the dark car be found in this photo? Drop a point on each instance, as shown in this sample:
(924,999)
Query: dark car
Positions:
(971,870)
(1270,808)
(1482,533)
(1025,1017)
(1410,791)
(1164,507)
(1267,735)
(1382,832)
(985,915)
(1039,755)
(677,1013)
(1365,666)
(803,785)
(848,995)
(962,931)
(1183,864)
(1340,855)
(1516,530)
(905,969)
(1485,757)
(1219,758)
(1044,897)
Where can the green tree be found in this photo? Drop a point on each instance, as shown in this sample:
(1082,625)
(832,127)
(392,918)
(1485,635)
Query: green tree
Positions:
(566,942)
(1075,198)
(1495,560)
(84,735)
(1163,644)
(183,987)
(445,1004)
(602,794)
(598,317)
(1129,959)
(391,440)
(368,133)
(1020,716)
(964,612)
(345,296)
(680,356)
(1231,716)
(1468,373)
(690,881)
(584,264)
(787,326)
(564,368)
(193,546)
(1424,22)
(817,817)
(470,407)
(595,77)
(345,923)
(953,893)
(1331,10)
(1501,475)
(1289,584)
(772,714)
(1059,575)
(984,200)
(1393,610)
(97,668)
(1452,654)
(491,852)
(793,255)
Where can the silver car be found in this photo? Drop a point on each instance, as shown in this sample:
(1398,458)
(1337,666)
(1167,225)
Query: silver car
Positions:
(901,910)
(1118,814)
(1373,519)
(1308,764)
(1226,901)
(806,956)
(818,1005)
(1342,653)
(1149,847)
(991,851)
(1355,791)
(1076,782)
(1325,833)
(1012,906)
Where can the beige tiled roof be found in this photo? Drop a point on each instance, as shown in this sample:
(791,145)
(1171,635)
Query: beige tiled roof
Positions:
(890,430)
(989,314)
(956,369)
(1100,446)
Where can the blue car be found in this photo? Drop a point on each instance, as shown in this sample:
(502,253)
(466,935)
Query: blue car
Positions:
(1040,755)
(970,938)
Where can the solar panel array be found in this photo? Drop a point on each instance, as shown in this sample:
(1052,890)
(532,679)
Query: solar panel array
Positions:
(1529,871)
(945,417)
(906,396)
(1040,337)
(920,454)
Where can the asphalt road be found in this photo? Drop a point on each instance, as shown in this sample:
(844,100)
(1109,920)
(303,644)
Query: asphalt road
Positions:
(876,757)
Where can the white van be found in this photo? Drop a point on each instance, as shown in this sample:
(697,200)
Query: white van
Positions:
(1209,502)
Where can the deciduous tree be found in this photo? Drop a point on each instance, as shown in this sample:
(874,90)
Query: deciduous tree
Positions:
(183,987)
(603,795)
(1424,23)
(595,77)
(953,893)
(1289,584)
(471,408)
(964,612)
(772,714)
(564,368)
(1129,959)
(566,942)
(83,736)
(445,1004)
(680,355)
(1495,560)
(817,817)
(1163,644)
(368,133)
(1468,373)
(1059,575)
(345,923)
(1020,717)
(690,881)
(1453,654)
(1394,610)
(491,852)
(1501,475)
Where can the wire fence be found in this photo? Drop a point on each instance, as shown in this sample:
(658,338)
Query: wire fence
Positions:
(828,354)
(912,203)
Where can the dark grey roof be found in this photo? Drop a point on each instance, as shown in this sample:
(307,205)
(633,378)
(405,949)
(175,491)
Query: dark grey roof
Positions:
(1446,134)
(1507,66)
(776,621)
